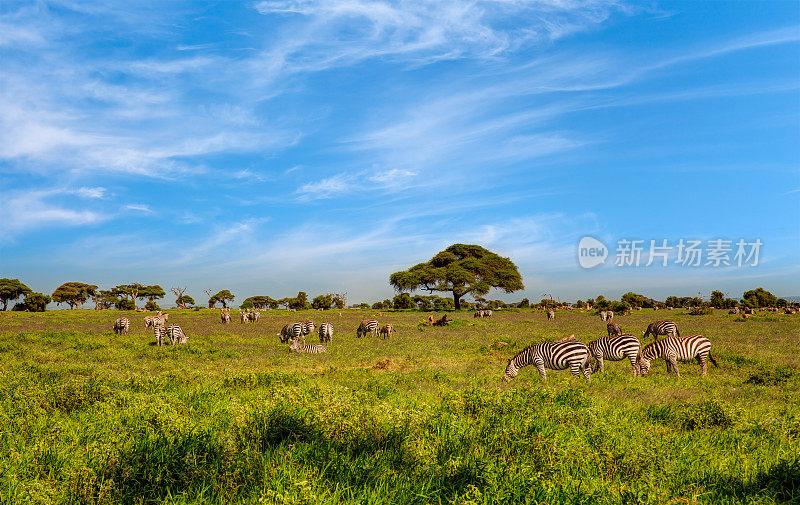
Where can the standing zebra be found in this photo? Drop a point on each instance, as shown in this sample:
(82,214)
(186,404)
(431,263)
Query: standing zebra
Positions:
(296,346)
(560,355)
(603,315)
(387,330)
(613,329)
(367,326)
(243,317)
(551,315)
(308,327)
(326,332)
(225,316)
(478,313)
(253,316)
(662,328)
(160,333)
(292,331)
(122,325)
(615,349)
(148,321)
(674,349)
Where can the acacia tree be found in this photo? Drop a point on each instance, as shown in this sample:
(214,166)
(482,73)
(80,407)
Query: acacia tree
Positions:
(11,289)
(223,297)
(462,269)
(129,291)
(182,300)
(151,293)
(73,293)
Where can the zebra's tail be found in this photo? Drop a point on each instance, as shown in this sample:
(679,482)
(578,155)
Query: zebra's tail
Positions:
(678,332)
(711,358)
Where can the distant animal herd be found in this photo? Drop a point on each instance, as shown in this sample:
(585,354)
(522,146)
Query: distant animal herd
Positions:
(567,353)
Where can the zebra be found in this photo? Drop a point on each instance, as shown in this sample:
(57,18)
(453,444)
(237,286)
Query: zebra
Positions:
(478,313)
(243,317)
(225,316)
(387,330)
(122,325)
(148,321)
(665,327)
(559,355)
(254,316)
(296,346)
(367,326)
(292,331)
(551,315)
(308,328)
(674,349)
(616,348)
(176,334)
(326,332)
(613,329)
(160,333)
(603,315)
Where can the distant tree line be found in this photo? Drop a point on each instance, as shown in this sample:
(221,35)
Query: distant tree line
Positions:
(124,297)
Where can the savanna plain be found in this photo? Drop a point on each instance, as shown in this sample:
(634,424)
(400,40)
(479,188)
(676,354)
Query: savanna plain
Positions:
(89,416)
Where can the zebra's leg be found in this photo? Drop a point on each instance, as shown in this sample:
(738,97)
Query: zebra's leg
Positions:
(675,366)
(542,371)
(702,360)
(600,362)
(634,366)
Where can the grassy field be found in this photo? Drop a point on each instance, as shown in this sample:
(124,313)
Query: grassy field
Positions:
(87,416)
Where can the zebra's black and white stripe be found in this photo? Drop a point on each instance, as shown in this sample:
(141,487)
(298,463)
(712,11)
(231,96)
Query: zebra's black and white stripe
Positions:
(122,325)
(615,349)
(225,316)
(296,346)
(308,327)
(176,334)
(368,326)
(666,327)
(326,332)
(387,330)
(553,355)
(674,349)
(483,313)
(160,333)
(292,331)
(551,315)
(613,329)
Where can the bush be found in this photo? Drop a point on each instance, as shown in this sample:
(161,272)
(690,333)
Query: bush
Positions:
(246,305)
(151,305)
(772,376)
(700,311)
(125,304)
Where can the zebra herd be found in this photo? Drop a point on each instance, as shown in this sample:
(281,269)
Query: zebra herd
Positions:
(161,332)
(577,356)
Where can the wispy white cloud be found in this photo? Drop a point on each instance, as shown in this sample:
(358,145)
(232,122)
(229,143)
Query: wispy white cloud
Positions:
(96,192)
(28,210)
(139,207)
(327,187)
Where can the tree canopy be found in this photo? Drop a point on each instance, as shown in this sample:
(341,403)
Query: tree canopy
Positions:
(461,269)
(261,302)
(11,289)
(73,293)
(223,297)
(34,302)
(759,297)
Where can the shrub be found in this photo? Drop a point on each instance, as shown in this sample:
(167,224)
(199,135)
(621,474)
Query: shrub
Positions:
(772,376)
(125,304)
(693,416)
(151,305)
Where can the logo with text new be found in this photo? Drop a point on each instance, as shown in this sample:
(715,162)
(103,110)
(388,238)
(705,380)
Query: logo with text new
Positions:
(591,252)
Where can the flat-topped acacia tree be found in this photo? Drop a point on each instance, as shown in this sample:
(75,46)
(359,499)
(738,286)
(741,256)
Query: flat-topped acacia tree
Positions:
(462,269)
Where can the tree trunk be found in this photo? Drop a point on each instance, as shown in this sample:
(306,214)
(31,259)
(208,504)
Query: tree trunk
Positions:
(457,300)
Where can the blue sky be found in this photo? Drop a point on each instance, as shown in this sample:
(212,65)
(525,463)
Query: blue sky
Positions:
(276,146)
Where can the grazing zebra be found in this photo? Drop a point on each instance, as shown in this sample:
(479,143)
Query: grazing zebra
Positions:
(163,315)
(613,329)
(308,327)
(551,315)
(326,332)
(560,355)
(176,334)
(367,326)
(478,313)
(148,321)
(665,327)
(615,349)
(387,330)
(243,317)
(603,315)
(122,325)
(674,349)
(483,313)
(225,316)
(160,333)
(292,331)
(296,346)
(254,316)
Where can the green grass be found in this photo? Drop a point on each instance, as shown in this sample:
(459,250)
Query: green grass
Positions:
(87,416)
